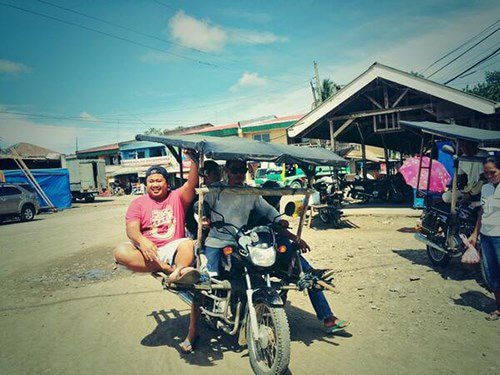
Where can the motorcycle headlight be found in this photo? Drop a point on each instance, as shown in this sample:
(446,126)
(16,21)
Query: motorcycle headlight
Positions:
(262,257)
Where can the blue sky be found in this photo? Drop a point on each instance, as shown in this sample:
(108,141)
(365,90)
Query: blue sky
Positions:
(205,61)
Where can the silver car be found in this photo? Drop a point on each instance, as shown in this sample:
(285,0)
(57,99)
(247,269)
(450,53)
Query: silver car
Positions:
(18,201)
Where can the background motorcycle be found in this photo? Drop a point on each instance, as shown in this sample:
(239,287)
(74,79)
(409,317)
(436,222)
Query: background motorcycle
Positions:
(441,230)
(332,197)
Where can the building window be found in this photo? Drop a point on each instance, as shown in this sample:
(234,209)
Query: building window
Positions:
(263,137)
(141,154)
(157,151)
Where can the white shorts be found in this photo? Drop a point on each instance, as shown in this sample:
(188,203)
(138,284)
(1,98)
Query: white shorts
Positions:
(167,252)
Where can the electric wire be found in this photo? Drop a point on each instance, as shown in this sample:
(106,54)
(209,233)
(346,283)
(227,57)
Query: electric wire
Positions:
(463,53)
(491,55)
(460,46)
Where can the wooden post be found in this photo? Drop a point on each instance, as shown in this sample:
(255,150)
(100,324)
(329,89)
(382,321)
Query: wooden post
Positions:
(181,168)
(332,136)
(363,150)
(453,209)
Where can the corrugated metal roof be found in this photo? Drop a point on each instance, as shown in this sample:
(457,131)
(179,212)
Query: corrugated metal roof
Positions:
(111,147)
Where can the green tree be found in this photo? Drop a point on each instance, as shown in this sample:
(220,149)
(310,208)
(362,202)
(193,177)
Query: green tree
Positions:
(154,131)
(489,89)
(328,88)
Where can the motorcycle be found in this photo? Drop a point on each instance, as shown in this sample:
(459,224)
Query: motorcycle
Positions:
(245,300)
(391,189)
(445,234)
(330,196)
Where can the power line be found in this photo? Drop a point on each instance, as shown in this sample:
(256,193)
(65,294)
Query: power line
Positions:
(469,62)
(463,53)
(110,35)
(473,66)
(127,28)
(460,46)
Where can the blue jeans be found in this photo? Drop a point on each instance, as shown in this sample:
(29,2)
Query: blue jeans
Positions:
(490,251)
(317,297)
(213,255)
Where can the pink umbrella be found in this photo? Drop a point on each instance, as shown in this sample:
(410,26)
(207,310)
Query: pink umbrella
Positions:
(439,175)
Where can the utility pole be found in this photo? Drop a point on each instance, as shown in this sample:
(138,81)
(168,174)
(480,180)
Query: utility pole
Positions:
(313,89)
(76,144)
(318,82)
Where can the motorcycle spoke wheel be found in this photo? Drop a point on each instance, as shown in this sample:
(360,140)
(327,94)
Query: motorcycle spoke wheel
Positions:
(270,353)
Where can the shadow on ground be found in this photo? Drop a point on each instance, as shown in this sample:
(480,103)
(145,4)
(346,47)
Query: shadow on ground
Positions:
(453,271)
(476,300)
(172,328)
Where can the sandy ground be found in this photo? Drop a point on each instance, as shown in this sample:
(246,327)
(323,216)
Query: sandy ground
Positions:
(65,310)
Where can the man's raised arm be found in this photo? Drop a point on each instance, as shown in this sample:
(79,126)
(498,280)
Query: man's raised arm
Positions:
(188,189)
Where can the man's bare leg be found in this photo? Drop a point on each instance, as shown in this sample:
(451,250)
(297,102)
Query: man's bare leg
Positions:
(130,257)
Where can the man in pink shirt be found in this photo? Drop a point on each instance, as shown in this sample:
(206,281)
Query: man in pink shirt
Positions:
(155,227)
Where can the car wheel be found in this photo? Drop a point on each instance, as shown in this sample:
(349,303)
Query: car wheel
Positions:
(27,212)
(296,185)
(89,198)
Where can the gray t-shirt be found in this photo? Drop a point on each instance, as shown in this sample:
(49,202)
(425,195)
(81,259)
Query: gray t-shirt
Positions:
(236,210)
(490,201)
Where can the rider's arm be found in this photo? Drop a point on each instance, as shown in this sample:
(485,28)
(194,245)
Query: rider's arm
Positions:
(265,209)
(304,247)
(187,191)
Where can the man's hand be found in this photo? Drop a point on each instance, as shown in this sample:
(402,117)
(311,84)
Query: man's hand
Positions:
(206,222)
(148,250)
(284,223)
(473,239)
(304,247)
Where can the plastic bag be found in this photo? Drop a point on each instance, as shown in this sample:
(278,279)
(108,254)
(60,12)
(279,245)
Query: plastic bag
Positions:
(471,255)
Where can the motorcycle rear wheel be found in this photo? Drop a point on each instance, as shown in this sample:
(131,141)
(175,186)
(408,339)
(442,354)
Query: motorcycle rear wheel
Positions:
(438,258)
(324,215)
(275,335)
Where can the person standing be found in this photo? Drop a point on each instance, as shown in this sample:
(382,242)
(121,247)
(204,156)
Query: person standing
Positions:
(488,227)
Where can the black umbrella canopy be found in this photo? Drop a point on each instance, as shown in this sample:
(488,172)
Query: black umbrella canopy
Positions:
(451,131)
(230,148)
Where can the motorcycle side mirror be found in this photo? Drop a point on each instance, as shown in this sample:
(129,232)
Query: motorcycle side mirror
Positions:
(447,149)
(289,209)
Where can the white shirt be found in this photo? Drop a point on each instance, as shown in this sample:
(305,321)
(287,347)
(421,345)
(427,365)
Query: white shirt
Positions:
(490,201)
(236,210)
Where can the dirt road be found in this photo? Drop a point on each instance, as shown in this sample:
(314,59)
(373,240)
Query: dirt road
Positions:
(65,310)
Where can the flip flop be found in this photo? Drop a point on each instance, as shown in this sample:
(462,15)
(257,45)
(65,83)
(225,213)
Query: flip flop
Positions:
(493,316)
(187,347)
(188,275)
(338,327)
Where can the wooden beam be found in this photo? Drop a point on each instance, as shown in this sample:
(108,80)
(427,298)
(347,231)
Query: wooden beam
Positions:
(396,102)
(375,112)
(373,101)
(332,136)
(386,97)
(342,127)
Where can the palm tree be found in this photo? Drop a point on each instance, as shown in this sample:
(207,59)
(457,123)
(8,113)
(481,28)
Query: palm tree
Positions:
(328,88)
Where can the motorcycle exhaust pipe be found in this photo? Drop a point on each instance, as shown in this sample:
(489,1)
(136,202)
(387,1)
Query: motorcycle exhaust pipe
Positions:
(423,239)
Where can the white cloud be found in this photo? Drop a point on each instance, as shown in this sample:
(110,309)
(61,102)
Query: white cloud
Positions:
(201,34)
(254,37)
(12,67)
(195,33)
(248,80)
(88,117)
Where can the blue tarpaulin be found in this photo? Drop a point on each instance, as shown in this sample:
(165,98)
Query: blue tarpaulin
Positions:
(54,182)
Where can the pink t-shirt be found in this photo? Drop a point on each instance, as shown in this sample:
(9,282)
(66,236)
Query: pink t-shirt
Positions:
(161,222)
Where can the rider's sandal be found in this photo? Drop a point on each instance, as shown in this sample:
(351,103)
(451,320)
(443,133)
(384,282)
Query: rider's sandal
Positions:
(187,275)
(187,347)
(495,315)
(340,326)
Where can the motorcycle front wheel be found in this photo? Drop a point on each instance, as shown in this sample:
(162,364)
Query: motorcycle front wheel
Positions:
(270,352)
(438,258)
